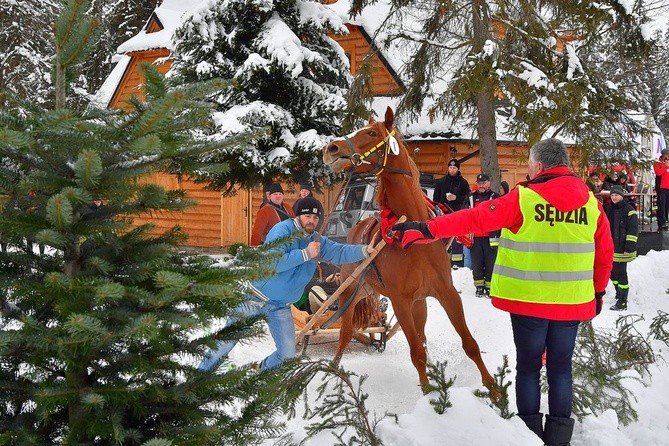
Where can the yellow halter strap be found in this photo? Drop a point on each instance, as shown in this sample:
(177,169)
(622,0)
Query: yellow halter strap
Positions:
(360,159)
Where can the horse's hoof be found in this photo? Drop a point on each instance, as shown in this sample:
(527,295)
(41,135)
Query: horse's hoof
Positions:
(495,393)
(427,388)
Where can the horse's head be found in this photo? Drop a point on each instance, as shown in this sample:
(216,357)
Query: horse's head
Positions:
(365,150)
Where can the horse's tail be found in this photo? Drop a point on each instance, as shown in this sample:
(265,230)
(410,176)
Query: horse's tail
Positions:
(366,312)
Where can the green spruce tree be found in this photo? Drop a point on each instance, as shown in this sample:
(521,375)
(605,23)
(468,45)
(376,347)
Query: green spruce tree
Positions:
(290,79)
(100,335)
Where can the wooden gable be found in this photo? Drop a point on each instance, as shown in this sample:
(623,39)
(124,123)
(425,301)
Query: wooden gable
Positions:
(132,78)
(357,44)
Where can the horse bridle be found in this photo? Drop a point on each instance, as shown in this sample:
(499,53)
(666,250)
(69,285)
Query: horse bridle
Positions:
(358,159)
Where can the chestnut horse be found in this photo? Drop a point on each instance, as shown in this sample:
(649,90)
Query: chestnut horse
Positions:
(408,276)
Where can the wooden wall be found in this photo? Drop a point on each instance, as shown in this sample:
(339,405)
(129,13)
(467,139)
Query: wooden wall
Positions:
(433,157)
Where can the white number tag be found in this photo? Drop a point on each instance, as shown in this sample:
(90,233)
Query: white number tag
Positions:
(394,146)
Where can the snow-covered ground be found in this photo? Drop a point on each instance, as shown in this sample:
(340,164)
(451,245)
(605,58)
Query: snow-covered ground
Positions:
(392,383)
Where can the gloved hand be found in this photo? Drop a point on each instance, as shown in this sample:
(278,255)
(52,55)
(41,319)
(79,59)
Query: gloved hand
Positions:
(411,232)
(598,302)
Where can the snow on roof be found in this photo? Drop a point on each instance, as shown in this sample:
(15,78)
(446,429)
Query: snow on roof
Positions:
(170,14)
(104,95)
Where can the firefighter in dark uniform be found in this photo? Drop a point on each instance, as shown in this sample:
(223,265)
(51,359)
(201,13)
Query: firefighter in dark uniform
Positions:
(484,249)
(624,223)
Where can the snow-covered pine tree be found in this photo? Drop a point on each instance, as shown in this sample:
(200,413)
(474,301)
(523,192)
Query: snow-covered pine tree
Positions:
(25,50)
(575,74)
(290,82)
(528,62)
(656,77)
(100,335)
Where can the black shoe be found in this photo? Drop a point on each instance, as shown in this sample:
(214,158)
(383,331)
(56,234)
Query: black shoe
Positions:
(486,291)
(454,267)
(480,291)
(558,431)
(620,305)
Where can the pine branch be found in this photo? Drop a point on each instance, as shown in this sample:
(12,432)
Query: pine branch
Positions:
(438,383)
(502,403)
(601,364)
(659,328)
(341,406)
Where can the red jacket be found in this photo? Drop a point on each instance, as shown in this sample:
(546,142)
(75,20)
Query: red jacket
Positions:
(566,192)
(267,217)
(662,171)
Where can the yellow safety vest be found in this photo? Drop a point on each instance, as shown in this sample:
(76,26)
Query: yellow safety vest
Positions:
(550,259)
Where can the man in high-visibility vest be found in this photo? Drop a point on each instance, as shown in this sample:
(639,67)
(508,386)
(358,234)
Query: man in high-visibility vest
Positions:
(553,264)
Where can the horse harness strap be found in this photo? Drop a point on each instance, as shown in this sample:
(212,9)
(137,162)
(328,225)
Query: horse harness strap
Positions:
(358,159)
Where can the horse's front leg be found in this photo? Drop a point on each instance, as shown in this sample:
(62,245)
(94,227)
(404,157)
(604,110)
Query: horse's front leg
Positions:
(402,305)
(419,313)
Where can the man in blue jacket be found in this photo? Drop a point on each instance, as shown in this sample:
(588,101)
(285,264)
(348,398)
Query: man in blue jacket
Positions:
(294,269)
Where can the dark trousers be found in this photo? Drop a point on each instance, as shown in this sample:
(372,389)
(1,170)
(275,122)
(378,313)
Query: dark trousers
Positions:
(662,207)
(483,260)
(457,255)
(619,275)
(532,336)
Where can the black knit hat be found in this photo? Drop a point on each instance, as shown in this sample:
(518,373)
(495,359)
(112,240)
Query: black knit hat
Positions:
(274,188)
(454,162)
(616,189)
(309,205)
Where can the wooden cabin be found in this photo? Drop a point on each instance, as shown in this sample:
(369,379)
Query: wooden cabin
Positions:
(219,221)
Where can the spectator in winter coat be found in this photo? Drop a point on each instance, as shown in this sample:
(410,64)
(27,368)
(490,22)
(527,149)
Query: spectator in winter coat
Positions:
(553,264)
(624,223)
(594,182)
(272,213)
(305,191)
(484,248)
(453,191)
(503,188)
(294,269)
(661,169)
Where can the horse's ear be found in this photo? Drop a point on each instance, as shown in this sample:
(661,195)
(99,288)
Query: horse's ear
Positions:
(389,119)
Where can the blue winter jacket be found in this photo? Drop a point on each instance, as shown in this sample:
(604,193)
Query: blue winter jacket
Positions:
(295,269)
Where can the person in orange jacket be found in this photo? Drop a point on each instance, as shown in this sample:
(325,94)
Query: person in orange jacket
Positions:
(273,212)
(661,169)
(553,264)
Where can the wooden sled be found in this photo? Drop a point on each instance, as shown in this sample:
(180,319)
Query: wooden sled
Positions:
(376,334)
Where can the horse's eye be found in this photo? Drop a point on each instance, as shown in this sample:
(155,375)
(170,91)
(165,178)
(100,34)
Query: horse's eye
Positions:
(372,133)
